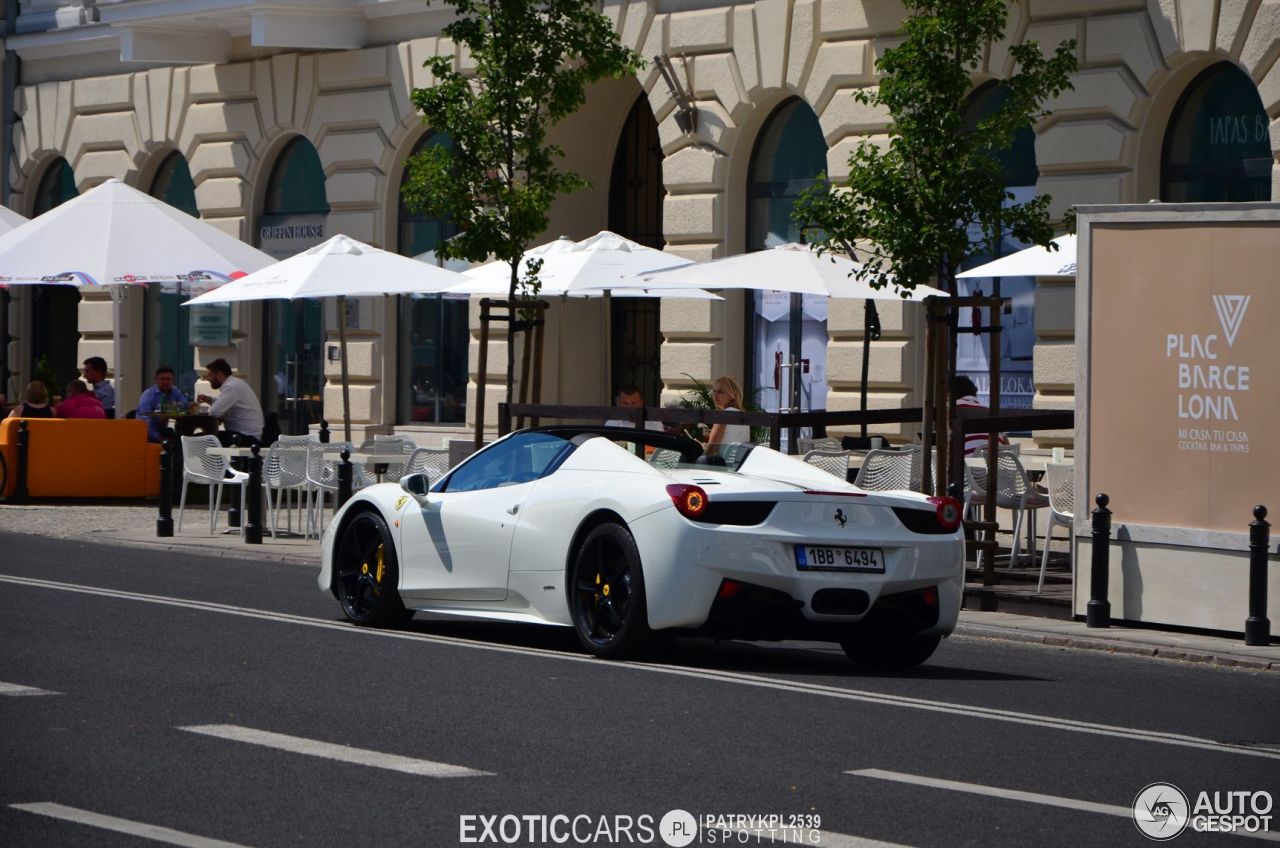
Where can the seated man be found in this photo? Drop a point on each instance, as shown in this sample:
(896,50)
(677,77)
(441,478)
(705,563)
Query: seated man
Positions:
(630,397)
(966,397)
(80,403)
(236,404)
(155,399)
(95,374)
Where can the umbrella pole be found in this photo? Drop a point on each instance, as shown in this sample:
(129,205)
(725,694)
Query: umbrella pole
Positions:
(866,358)
(117,311)
(346,388)
(608,346)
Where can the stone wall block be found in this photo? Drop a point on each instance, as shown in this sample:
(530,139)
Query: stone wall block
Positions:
(1055,364)
(219,159)
(179,99)
(496,368)
(696,252)
(687,320)
(223,194)
(890,365)
(221,121)
(693,168)
(636,23)
(103,94)
(1078,143)
(366,405)
(96,166)
(95,316)
(772,18)
(352,68)
(837,65)
(845,317)
(1231,25)
(1108,90)
(353,109)
(92,130)
(1260,45)
(1125,39)
(700,32)
(654,41)
(845,116)
(1069,190)
(716,76)
(360,224)
(47,113)
(1195,24)
(744,49)
(214,82)
(364,356)
(803,43)
(353,188)
(691,215)
(233,225)
(357,148)
(841,19)
(153,99)
(1055,311)
(693,358)
(304,102)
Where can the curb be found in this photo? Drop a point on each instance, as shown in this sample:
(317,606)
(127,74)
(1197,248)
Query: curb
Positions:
(1180,654)
(245,552)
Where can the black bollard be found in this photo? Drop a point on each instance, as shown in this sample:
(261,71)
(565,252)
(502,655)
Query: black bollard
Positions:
(233,509)
(1098,611)
(344,479)
(252,530)
(164,523)
(1257,628)
(20,492)
(324,432)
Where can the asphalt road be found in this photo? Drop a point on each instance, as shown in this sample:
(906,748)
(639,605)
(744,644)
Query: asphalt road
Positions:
(225,701)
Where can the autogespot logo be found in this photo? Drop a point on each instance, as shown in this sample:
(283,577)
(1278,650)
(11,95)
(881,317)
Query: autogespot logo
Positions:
(1161,811)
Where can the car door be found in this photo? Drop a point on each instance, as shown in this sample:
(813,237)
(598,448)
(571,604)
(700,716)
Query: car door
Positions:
(457,545)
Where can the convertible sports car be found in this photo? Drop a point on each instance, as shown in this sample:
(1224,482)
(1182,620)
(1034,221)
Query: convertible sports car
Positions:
(623,534)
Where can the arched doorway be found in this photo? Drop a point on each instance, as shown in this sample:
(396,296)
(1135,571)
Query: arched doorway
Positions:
(1018,335)
(636,192)
(788,157)
(54,326)
(1218,144)
(434,336)
(294,212)
(167,325)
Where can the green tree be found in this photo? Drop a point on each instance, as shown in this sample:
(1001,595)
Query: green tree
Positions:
(530,62)
(909,207)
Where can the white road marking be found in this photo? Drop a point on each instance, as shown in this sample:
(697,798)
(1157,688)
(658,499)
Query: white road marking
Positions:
(146,831)
(330,751)
(1020,795)
(21,691)
(968,711)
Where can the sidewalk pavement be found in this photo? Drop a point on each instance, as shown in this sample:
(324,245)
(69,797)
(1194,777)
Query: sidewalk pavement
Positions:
(135,526)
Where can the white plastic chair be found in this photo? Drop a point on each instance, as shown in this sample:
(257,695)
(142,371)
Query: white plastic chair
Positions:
(207,469)
(434,462)
(664,458)
(887,470)
(322,479)
(284,471)
(834,462)
(826,443)
(1060,480)
(391,444)
(1015,492)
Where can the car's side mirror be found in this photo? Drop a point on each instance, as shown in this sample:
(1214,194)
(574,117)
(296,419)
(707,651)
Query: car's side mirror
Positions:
(417,485)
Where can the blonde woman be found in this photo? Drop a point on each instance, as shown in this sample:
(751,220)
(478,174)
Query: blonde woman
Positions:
(727,395)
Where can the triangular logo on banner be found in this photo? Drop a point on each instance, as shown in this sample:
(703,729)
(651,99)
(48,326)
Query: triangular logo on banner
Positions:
(1231,309)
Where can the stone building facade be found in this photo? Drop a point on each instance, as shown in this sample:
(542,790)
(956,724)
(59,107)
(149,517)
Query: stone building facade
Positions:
(116,89)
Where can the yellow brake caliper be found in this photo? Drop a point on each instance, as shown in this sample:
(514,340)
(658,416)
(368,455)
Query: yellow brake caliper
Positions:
(381,563)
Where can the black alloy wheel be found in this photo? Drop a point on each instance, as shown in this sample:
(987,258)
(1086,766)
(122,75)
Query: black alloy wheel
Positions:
(366,573)
(607,594)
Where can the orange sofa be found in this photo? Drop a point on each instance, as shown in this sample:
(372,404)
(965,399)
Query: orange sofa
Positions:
(83,458)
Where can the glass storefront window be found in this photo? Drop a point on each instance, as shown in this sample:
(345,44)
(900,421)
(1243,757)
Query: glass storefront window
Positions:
(1218,145)
(167,338)
(788,158)
(55,322)
(434,336)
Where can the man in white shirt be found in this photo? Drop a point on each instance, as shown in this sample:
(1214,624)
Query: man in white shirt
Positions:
(236,404)
(630,397)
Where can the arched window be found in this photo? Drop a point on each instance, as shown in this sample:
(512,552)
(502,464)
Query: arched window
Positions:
(635,211)
(54,329)
(294,213)
(788,158)
(168,340)
(1017,337)
(434,335)
(1218,145)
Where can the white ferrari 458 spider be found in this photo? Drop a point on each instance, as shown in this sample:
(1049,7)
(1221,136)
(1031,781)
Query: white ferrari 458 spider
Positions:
(622,534)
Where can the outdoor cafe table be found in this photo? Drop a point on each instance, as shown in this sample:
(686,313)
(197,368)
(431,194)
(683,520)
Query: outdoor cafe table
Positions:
(379,461)
(189,423)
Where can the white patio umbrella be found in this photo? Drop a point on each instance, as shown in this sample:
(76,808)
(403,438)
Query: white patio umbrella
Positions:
(114,235)
(794,268)
(1035,261)
(10,219)
(340,267)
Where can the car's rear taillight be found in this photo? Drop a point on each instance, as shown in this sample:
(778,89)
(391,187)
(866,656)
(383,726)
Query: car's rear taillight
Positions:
(950,512)
(690,501)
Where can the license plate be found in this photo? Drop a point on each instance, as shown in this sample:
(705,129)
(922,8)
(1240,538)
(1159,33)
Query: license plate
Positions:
(823,558)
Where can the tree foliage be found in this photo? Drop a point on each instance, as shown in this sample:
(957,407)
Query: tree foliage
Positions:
(531,61)
(909,207)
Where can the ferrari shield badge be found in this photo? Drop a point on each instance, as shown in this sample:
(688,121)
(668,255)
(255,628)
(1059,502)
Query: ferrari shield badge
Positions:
(401,501)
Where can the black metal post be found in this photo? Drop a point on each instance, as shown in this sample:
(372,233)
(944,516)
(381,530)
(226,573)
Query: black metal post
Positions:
(20,493)
(1098,611)
(344,479)
(1257,628)
(164,523)
(324,432)
(252,530)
